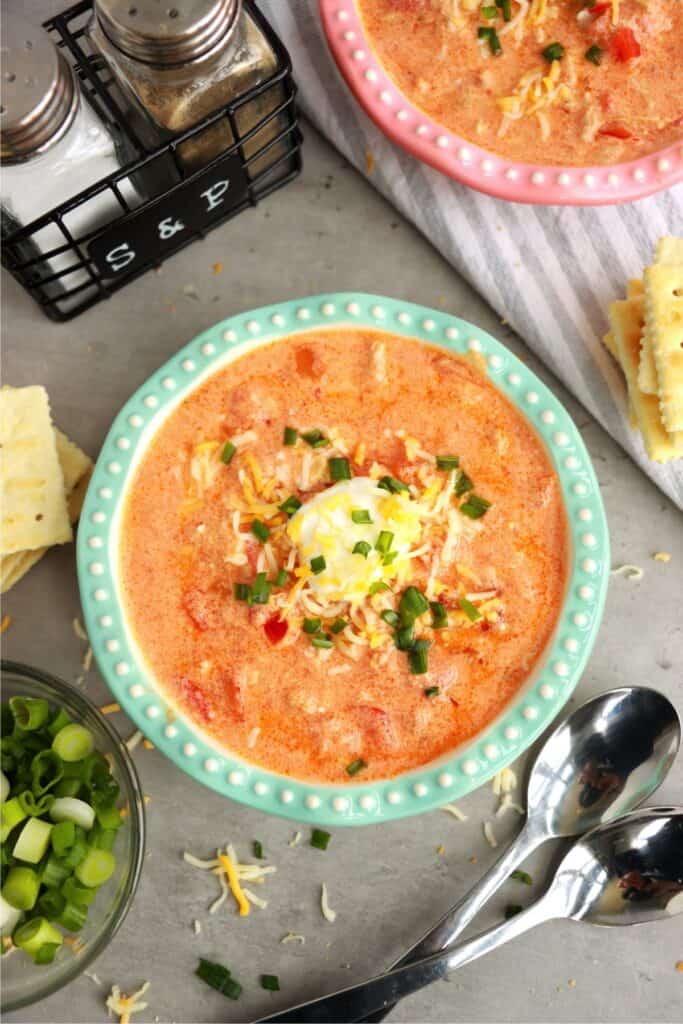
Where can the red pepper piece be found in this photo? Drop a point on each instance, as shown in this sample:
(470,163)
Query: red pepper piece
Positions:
(275,629)
(624,46)
(616,131)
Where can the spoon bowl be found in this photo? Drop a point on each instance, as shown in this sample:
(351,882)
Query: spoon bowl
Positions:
(607,757)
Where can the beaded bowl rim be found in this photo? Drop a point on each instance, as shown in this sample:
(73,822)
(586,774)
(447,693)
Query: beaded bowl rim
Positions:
(464,161)
(452,776)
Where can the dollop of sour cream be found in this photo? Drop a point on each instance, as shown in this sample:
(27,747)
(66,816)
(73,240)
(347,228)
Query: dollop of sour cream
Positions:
(324,526)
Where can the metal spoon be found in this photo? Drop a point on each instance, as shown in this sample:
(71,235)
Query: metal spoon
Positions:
(603,760)
(627,872)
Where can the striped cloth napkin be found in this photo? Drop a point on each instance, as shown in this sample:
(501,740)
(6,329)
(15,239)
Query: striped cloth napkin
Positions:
(549,271)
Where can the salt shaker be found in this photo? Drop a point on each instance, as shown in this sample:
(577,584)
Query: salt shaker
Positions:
(52,146)
(178,62)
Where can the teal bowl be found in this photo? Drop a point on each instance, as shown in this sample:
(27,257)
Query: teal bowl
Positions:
(535,706)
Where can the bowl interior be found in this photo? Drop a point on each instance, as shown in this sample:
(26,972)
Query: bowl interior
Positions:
(22,981)
(408,126)
(130,679)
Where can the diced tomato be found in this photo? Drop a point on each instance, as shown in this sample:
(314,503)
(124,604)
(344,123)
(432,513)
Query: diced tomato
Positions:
(616,131)
(204,608)
(275,629)
(196,698)
(624,46)
(597,9)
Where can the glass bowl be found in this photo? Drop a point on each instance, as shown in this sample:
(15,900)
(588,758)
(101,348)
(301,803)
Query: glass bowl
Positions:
(23,982)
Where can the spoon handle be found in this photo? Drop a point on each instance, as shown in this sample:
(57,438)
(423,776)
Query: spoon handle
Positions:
(444,934)
(359,1001)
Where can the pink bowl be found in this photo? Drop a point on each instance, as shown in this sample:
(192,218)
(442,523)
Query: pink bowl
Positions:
(408,126)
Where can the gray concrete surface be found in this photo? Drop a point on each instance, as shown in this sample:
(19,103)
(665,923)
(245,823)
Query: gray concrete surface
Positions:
(330,231)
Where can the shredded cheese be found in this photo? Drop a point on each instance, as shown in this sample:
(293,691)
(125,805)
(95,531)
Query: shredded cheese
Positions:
(503,781)
(293,937)
(455,811)
(230,874)
(327,912)
(662,556)
(631,572)
(79,630)
(295,840)
(489,835)
(6,623)
(133,740)
(110,709)
(122,1005)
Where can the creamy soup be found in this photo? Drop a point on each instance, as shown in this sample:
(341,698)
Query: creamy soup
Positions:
(343,554)
(564,82)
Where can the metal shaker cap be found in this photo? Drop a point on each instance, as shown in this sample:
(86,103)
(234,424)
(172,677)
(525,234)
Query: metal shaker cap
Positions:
(166,32)
(39,96)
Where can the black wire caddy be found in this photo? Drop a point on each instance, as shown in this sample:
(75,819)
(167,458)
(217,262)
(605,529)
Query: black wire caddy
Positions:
(85,268)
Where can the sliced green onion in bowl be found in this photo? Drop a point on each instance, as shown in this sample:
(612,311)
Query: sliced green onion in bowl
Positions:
(96,867)
(36,933)
(29,713)
(21,887)
(33,841)
(73,743)
(71,809)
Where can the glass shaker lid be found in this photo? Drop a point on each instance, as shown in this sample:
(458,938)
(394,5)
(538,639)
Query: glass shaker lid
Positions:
(39,96)
(166,31)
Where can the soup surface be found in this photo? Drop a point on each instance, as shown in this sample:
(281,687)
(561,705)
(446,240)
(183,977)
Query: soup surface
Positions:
(343,554)
(564,82)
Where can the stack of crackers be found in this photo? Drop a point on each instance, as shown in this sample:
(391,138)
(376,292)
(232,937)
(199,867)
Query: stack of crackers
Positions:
(43,480)
(646,339)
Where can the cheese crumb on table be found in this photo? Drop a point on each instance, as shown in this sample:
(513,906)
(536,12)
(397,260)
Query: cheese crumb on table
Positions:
(122,1005)
(327,912)
(631,572)
(662,556)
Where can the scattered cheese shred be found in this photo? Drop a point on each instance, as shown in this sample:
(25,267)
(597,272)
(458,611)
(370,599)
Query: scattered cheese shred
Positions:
(489,835)
(233,882)
(147,744)
(110,709)
(122,1005)
(503,781)
(197,927)
(508,804)
(293,937)
(6,623)
(79,630)
(327,912)
(455,811)
(659,556)
(631,572)
(295,840)
(133,741)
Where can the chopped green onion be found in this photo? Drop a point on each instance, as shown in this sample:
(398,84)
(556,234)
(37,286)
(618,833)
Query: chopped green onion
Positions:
(33,841)
(404,638)
(338,626)
(361,515)
(102,838)
(475,507)
(315,438)
(55,872)
(432,691)
(29,713)
(46,953)
(506,8)
(73,743)
(34,934)
(449,462)
(469,609)
(389,557)
(228,452)
(417,659)
(218,978)
(490,34)
(522,876)
(95,868)
(21,888)
(11,813)
(260,530)
(258,849)
(282,578)
(46,770)
(74,892)
(51,904)
(318,564)
(439,615)
(73,917)
(391,484)
(75,855)
(312,625)
(320,839)
(289,437)
(489,12)
(463,484)
(594,54)
(260,590)
(391,617)
(36,808)
(412,604)
(58,722)
(356,766)
(270,982)
(340,469)
(109,817)
(512,909)
(378,587)
(362,548)
(67,787)
(553,52)
(384,542)
(291,505)
(62,837)
(322,641)
(241,591)
(68,808)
